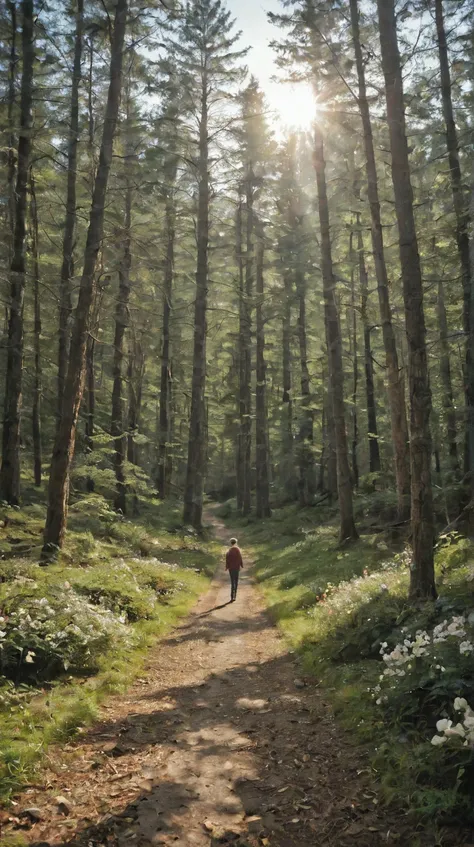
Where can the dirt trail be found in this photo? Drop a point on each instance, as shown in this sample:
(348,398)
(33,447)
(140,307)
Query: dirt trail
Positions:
(220,743)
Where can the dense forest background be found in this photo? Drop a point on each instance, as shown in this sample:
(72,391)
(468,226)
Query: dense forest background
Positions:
(192,293)
(208,299)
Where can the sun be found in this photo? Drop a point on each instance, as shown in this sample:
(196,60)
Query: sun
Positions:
(293,106)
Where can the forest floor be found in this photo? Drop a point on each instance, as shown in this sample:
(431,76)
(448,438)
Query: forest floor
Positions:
(222,741)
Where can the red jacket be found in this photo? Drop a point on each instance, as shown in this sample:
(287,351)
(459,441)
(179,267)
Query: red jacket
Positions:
(233,559)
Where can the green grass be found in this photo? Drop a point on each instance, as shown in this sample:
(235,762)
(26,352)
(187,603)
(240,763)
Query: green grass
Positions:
(335,605)
(148,570)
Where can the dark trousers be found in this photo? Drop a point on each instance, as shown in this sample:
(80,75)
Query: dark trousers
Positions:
(234,581)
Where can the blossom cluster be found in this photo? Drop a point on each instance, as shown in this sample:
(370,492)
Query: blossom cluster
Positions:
(403,657)
(66,628)
(463,729)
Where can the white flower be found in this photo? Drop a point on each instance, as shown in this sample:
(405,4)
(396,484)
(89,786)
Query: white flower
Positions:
(460,704)
(456,730)
(465,647)
(2,633)
(443,724)
(437,740)
(29,658)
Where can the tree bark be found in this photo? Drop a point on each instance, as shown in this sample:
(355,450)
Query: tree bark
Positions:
(263,487)
(67,268)
(117,428)
(446,381)
(11,6)
(246,344)
(193,494)
(90,404)
(306,482)
(65,438)
(355,368)
(287,463)
(240,467)
(10,470)
(374,452)
(348,530)
(422,579)
(37,386)
(164,455)
(463,221)
(396,388)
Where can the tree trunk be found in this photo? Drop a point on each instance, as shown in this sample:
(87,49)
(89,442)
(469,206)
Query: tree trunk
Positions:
(306,482)
(422,580)
(333,334)
(90,404)
(74,386)
(396,390)
(240,467)
(10,470)
(461,209)
(194,486)
(37,388)
(263,487)
(246,344)
(374,452)
(164,455)
(67,268)
(287,462)
(446,382)
(121,323)
(132,406)
(11,5)
(355,368)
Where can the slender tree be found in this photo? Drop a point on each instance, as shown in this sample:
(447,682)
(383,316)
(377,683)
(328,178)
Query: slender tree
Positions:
(37,380)
(422,580)
(117,427)
(58,491)
(10,470)
(261,436)
(67,267)
(348,530)
(203,53)
(396,393)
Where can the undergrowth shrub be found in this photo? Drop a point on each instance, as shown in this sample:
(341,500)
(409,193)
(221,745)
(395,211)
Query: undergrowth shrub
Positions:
(44,636)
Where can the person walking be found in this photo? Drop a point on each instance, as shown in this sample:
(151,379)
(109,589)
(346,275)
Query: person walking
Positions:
(233,564)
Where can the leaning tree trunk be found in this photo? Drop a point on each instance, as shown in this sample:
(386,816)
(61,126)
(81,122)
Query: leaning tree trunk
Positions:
(261,439)
(67,267)
(422,579)
(193,493)
(396,388)
(121,322)
(63,450)
(164,453)
(333,334)
(37,388)
(461,209)
(306,483)
(10,470)
(374,452)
